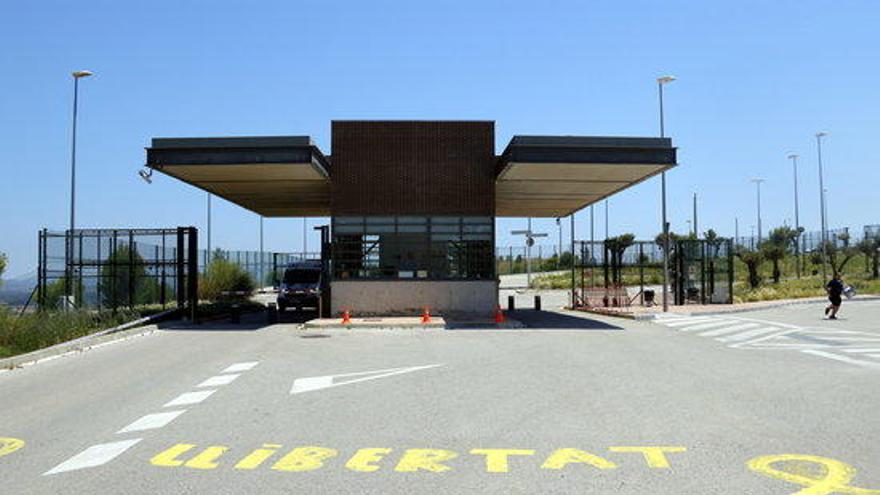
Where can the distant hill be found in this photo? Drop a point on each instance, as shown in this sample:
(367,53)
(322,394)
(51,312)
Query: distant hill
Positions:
(15,291)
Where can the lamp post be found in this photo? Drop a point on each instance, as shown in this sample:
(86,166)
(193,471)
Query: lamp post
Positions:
(757,181)
(797,245)
(819,136)
(662,80)
(559,252)
(606,219)
(262,275)
(305,240)
(695,216)
(208,236)
(77,75)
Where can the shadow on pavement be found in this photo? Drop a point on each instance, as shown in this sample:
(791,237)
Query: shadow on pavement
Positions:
(249,322)
(552,320)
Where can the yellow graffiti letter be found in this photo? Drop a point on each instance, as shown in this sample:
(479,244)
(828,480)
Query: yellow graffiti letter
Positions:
(304,459)
(654,456)
(496,459)
(169,458)
(425,460)
(206,459)
(562,457)
(255,458)
(9,445)
(363,459)
(835,478)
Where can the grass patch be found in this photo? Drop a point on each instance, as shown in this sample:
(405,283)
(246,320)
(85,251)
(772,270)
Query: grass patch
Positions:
(33,331)
(799,288)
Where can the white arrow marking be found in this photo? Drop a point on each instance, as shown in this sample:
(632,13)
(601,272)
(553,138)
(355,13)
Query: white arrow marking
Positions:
(308,384)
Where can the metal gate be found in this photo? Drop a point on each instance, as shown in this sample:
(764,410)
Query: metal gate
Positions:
(702,271)
(115,268)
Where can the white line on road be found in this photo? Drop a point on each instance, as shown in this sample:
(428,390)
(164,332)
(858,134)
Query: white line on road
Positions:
(686,321)
(722,331)
(237,367)
(216,381)
(308,384)
(188,398)
(96,455)
(704,326)
(152,421)
(749,334)
(861,350)
(837,357)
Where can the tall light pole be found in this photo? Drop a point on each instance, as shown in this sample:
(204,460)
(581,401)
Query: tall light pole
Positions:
(797,245)
(660,82)
(819,136)
(76,77)
(695,216)
(208,236)
(606,219)
(592,247)
(305,240)
(559,255)
(262,255)
(757,181)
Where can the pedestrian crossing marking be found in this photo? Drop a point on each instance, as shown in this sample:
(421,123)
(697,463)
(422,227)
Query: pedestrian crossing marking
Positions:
(739,332)
(721,331)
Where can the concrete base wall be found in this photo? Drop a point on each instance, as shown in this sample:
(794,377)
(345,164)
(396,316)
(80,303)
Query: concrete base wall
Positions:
(410,297)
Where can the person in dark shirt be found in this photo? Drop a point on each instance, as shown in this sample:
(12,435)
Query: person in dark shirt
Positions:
(835,289)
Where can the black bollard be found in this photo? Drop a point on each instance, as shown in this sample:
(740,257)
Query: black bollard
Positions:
(271,313)
(511,304)
(537,302)
(235,314)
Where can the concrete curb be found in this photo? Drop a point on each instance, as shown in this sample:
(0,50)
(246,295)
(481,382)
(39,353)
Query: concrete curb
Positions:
(85,342)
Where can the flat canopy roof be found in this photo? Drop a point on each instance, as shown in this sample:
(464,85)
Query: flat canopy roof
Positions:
(536,176)
(555,176)
(275,176)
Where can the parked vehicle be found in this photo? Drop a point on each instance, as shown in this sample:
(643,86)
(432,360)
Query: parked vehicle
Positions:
(300,286)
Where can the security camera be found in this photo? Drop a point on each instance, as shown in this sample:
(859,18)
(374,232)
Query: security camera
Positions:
(146,175)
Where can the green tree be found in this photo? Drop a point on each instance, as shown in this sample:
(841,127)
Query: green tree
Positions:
(839,256)
(222,278)
(752,260)
(777,246)
(870,247)
(124,280)
(3,261)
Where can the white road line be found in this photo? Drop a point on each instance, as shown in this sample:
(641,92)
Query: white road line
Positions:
(94,456)
(152,421)
(861,350)
(873,355)
(687,321)
(216,381)
(833,332)
(837,357)
(238,367)
(749,334)
(854,339)
(704,326)
(188,398)
(722,331)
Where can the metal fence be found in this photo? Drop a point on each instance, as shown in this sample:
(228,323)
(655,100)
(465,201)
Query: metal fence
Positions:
(615,274)
(265,268)
(518,259)
(115,268)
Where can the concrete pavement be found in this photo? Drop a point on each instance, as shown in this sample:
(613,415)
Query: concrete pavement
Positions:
(578,403)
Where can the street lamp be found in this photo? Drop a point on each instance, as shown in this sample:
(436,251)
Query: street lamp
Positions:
(757,181)
(77,75)
(819,136)
(662,80)
(797,246)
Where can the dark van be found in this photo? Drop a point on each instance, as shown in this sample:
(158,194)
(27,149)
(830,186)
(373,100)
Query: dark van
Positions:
(300,286)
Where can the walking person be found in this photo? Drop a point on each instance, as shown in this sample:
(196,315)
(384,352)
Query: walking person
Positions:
(835,289)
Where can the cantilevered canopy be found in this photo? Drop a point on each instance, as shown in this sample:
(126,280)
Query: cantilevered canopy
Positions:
(554,176)
(271,176)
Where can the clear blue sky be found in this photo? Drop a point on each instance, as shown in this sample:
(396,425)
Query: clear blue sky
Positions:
(756,80)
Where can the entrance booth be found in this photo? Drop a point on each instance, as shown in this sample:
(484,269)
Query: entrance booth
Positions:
(412,203)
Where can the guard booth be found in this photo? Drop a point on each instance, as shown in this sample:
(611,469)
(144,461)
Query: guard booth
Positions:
(703,271)
(412,203)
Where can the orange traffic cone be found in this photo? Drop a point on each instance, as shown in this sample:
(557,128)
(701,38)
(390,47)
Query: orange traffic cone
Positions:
(499,315)
(346,318)
(426,316)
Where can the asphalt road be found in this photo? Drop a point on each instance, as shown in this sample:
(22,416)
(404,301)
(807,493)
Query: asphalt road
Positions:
(569,405)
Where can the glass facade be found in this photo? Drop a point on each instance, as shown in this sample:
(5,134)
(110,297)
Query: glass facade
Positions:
(413,247)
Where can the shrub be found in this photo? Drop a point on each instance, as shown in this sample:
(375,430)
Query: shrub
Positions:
(222,276)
